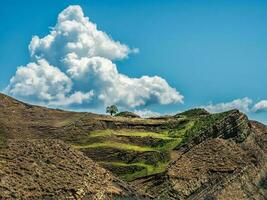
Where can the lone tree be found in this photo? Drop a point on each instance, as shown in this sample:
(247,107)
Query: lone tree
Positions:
(112,109)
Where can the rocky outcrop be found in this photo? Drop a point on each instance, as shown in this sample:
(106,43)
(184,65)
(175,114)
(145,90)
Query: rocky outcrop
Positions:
(223,168)
(235,126)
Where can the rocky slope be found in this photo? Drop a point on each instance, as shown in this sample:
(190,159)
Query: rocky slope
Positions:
(192,155)
(219,167)
(50,169)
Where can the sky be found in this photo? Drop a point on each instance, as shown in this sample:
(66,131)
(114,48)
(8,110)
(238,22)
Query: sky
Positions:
(151,57)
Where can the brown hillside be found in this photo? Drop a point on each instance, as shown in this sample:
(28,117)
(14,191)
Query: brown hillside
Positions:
(192,155)
(50,169)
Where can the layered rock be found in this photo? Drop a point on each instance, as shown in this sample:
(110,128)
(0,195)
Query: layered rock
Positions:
(227,162)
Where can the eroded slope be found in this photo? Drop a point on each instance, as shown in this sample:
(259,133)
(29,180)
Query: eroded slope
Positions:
(220,167)
(50,169)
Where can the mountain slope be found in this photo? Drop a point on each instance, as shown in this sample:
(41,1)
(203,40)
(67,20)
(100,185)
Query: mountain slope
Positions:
(50,169)
(216,168)
(192,155)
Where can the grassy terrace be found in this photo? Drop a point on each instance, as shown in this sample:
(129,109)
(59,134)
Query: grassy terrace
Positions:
(126,147)
(148,169)
(169,141)
(109,132)
(186,128)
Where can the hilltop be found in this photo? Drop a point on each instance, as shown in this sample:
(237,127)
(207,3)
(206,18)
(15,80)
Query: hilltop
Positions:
(191,155)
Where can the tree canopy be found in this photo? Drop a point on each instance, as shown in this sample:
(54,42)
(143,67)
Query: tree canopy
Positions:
(112,110)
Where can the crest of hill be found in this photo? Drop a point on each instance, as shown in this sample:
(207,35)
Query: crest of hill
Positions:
(127,114)
(196,112)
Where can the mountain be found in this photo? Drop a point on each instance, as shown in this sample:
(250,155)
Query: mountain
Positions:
(191,155)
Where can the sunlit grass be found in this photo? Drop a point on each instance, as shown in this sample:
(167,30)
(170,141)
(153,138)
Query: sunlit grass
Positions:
(170,139)
(117,145)
(173,136)
(109,132)
(202,125)
(148,169)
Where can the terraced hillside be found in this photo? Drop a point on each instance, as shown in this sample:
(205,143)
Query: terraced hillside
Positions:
(144,150)
(192,155)
(129,147)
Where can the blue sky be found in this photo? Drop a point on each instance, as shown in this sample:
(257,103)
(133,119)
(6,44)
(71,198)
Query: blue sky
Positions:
(212,52)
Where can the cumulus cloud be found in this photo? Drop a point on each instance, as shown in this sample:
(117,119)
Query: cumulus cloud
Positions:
(74,64)
(260,106)
(145,113)
(41,81)
(74,33)
(240,104)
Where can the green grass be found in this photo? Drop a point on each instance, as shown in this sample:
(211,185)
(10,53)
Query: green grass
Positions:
(109,132)
(176,134)
(180,130)
(167,144)
(195,112)
(148,169)
(185,132)
(201,125)
(117,145)
(171,138)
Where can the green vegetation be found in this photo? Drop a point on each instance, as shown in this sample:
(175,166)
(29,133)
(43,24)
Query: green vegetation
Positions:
(202,125)
(146,171)
(110,132)
(181,129)
(166,141)
(174,134)
(116,145)
(169,139)
(112,109)
(196,112)
(127,114)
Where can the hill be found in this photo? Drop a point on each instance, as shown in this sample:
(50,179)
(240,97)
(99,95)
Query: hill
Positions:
(191,155)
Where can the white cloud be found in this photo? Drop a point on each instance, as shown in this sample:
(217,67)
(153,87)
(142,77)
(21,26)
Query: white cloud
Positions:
(75,33)
(260,106)
(75,98)
(145,113)
(73,65)
(113,87)
(41,81)
(240,104)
